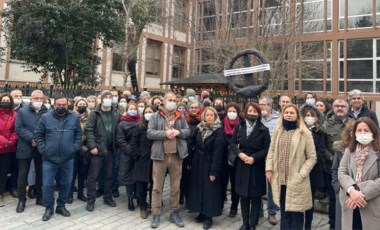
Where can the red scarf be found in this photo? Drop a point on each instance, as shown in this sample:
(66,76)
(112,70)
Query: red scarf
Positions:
(230,125)
(130,118)
(193,119)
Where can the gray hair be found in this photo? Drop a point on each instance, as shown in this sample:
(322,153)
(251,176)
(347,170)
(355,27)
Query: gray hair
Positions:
(168,94)
(36,91)
(353,93)
(144,94)
(340,100)
(269,100)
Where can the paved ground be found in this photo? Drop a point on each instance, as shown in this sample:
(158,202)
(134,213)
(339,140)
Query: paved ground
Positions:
(104,217)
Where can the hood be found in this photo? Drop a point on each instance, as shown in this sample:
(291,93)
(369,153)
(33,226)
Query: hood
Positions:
(338,146)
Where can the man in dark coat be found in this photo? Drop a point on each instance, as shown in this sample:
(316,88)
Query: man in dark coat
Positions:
(358,108)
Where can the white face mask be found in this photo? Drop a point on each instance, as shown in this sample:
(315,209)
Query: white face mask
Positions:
(310,121)
(115,100)
(264,113)
(310,101)
(232,116)
(123,104)
(48,106)
(141,109)
(171,105)
(191,98)
(364,138)
(148,116)
(107,102)
(37,105)
(17,101)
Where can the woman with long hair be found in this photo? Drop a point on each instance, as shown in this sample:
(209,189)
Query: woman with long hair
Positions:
(290,159)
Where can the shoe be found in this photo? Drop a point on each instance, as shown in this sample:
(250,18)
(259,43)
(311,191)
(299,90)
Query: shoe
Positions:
(39,202)
(47,215)
(143,214)
(90,205)
(110,202)
(233,213)
(70,199)
(131,206)
(99,193)
(244,227)
(252,228)
(63,211)
(155,221)
(261,213)
(2,204)
(82,197)
(20,206)
(200,218)
(208,223)
(181,199)
(115,193)
(31,192)
(272,219)
(176,219)
(14,192)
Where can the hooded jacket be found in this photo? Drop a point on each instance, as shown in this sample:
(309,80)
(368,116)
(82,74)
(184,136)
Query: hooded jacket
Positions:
(8,136)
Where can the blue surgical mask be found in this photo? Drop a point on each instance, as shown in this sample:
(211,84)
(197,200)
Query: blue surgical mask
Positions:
(132,112)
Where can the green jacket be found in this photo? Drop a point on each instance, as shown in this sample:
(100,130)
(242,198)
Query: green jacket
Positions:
(96,133)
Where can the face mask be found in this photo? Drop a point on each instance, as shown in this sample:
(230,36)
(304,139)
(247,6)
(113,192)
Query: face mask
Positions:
(37,105)
(91,105)
(5,105)
(206,104)
(132,112)
(148,116)
(82,108)
(61,110)
(310,101)
(183,111)
(141,109)
(123,104)
(364,139)
(310,121)
(251,118)
(107,102)
(48,106)
(191,98)
(17,101)
(70,107)
(115,100)
(218,108)
(232,116)
(171,105)
(264,113)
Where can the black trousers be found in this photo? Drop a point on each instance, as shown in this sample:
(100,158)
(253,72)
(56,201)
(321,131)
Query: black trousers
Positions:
(5,165)
(309,213)
(22,181)
(289,220)
(250,210)
(356,220)
(80,170)
(228,174)
(184,183)
(14,171)
(96,163)
(142,190)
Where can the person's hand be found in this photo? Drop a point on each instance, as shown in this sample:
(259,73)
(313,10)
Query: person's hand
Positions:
(176,132)
(351,204)
(34,144)
(94,151)
(269,175)
(212,178)
(249,160)
(358,197)
(242,156)
(170,134)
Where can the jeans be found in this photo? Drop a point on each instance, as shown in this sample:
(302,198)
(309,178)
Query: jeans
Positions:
(32,173)
(250,210)
(62,173)
(22,181)
(5,165)
(96,163)
(289,220)
(173,162)
(80,170)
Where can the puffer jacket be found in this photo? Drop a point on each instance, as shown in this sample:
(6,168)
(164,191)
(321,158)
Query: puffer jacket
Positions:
(8,136)
(301,161)
(156,132)
(58,139)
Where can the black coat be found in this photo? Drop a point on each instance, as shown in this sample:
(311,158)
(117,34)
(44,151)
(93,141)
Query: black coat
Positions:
(250,180)
(141,145)
(317,175)
(203,195)
(125,130)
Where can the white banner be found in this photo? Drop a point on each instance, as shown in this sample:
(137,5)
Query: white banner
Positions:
(247,70)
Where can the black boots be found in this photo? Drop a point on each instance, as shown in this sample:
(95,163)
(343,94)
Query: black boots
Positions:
(20,206)
(131,206)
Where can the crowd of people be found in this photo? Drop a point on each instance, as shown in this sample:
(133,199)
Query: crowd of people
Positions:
(294,156)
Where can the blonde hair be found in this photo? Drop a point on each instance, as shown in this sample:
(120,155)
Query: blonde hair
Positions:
(300,123)
(203,116)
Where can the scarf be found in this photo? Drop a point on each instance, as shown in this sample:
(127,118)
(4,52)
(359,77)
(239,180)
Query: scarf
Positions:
(193,119)
(206,130)
(229,125)
(361,154)
(130,118)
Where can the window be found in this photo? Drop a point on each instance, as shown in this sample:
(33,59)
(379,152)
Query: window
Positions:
(179,17)
(270,18)
(153,59)
(178,62)
(117,62)
(238,17)
(312,15)
(378,13)
(210,12)
(359,14)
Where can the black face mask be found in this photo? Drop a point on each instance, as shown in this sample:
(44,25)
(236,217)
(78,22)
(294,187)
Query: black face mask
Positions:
(5,105)
(61,110)
(206,104)
(82,109)
(289,125)
(219,108)
(71,107)
(252,118)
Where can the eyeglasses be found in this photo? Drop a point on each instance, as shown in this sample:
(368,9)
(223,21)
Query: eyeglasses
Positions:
(340,106)
(194,107)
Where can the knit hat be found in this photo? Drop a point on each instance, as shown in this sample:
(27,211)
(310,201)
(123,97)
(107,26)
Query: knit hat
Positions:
(204,94)
(190,92)
(182,104)
(132,97)
(104,94)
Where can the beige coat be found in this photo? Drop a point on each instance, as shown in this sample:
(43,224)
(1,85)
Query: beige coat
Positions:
(302,159)
(370,187)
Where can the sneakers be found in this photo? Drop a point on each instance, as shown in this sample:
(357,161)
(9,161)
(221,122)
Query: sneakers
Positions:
(176,219)
(272,219)
(155,221)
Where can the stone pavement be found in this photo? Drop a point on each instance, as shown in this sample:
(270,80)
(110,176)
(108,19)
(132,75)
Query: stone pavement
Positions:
(104,217)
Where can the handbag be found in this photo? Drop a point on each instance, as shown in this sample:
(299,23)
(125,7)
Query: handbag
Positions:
(231,155)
